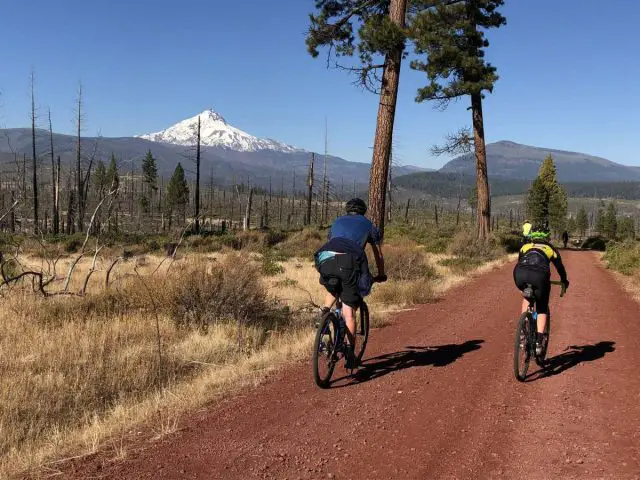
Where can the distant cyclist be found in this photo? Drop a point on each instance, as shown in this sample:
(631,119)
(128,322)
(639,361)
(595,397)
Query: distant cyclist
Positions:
(343,266)
(533,268)
(565,238)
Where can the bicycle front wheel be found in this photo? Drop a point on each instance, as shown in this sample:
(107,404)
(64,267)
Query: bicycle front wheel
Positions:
(522,347)
(362,331)
(324,350)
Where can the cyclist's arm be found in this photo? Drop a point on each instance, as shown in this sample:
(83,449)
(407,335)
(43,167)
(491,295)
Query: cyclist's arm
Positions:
(379,258)
(375,240)
(557,262)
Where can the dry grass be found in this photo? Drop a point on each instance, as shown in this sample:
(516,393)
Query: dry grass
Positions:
(78,373)
(74,372)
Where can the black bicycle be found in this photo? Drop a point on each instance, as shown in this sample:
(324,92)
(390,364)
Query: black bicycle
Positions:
(330,344)
(525,342)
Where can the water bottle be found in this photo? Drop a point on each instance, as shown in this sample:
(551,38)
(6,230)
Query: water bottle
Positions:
(535,315)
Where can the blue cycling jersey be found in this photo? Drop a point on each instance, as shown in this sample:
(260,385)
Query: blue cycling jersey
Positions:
(356,228)
(350,234)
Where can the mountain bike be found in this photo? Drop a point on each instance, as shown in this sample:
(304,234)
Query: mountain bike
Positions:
(525,341)
(330,345)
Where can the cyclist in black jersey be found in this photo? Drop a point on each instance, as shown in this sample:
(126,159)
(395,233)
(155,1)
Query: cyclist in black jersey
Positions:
(534,268)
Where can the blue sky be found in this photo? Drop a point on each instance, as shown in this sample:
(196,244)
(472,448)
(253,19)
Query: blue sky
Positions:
(569,74)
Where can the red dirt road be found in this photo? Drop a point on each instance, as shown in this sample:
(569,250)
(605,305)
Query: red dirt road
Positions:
(437,399)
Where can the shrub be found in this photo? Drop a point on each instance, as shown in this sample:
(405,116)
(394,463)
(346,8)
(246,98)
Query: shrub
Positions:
(206,243)
(286,283)
(73,244)
(510,241)
(11,268)
(461,265)
(413,292)
(439,239)
(465,244)
(230,291)
(434,239)
(246,240)
(405,261)
(270,265)
(623,257)
(302,244)
(595,243)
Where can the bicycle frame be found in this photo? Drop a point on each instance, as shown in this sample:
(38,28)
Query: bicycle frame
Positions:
(532,318)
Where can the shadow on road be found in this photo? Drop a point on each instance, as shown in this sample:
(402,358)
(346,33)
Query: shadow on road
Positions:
(573,356)
(437,356)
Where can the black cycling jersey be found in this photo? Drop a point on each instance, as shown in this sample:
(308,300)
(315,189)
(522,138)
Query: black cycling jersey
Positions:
(538,255)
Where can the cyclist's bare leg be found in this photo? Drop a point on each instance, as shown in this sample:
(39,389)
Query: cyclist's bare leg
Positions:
(525,305)
(349,320)
(542,322)
(328,300)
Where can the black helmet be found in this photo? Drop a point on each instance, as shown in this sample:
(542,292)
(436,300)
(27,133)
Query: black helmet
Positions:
(356,206)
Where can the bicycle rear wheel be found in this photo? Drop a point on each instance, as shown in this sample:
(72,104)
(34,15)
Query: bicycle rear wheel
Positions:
(522,347)
(541,359)
(362,331)
(324,350)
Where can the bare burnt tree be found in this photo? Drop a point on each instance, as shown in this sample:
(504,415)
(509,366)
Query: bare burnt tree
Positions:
(310,191)
(197,192)
(79,177)
(55,183)
(35,158)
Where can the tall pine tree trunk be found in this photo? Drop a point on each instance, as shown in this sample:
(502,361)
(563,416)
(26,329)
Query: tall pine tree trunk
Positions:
(384,127)
(483,213)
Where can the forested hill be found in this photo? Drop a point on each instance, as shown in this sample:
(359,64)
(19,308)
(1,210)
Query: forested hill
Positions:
(450,185)
(513,161)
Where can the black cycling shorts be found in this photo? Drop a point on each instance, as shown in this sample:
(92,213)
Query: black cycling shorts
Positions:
(340,275)
(539,280)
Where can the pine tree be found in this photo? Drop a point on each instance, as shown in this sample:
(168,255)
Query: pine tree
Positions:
(600,219)
(582,222)
(150,171)
(547,200)
(112,184)
(375,31)
(112,176)
(100,180)
(177,195)
(451,36)
(626,228)
(150,179)
(610,221)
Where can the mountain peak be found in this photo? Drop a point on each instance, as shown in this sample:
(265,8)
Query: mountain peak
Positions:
(210,115)
(215,132)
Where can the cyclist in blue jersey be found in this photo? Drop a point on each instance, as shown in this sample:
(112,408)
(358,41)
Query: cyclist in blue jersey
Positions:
(343,266)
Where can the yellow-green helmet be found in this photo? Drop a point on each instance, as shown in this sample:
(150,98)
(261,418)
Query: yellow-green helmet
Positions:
(539,231)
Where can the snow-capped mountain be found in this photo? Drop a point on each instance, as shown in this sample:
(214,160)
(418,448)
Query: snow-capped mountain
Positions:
(216,132)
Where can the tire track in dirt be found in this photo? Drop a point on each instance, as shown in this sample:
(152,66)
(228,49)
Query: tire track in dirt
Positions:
(437,399)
